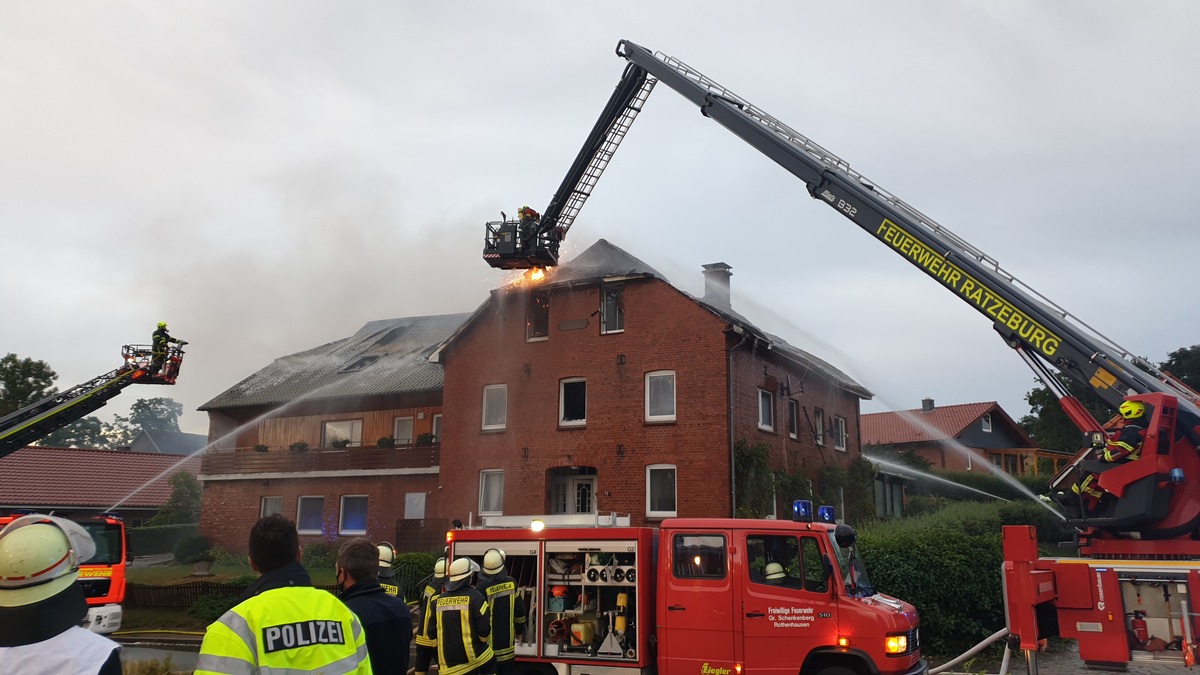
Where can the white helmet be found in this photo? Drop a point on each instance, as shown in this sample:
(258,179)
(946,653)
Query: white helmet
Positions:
(39,558)
(493,562)
(459,573)
(774,572)
(439,569)
(387,555)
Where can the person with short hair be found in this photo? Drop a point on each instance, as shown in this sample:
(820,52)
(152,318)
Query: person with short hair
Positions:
(41,606)
(282,622)
(384,617)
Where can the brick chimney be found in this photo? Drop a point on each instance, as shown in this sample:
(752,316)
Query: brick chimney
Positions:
(716,284)
(926,405)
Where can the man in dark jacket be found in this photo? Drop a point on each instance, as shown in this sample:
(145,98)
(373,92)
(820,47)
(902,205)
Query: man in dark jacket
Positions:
(160,343)
(385,618)
(506,606)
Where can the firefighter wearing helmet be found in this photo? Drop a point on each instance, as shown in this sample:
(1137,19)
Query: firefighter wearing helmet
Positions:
(160,343)
(426,640)
(462,625)
(1124,444)
(506,607)
(387,575)
(41,606)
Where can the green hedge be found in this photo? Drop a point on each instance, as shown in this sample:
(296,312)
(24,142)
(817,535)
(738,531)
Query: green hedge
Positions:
(947,564)
(412,571)
(159,538)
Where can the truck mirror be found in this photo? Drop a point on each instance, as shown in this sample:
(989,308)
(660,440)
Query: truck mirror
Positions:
(845,535)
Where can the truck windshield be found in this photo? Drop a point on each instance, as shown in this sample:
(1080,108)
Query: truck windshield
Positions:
(854,573)
(108,543)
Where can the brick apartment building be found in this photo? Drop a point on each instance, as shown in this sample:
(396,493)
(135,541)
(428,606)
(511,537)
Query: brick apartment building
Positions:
(606,389)
(602,389)
(342,438)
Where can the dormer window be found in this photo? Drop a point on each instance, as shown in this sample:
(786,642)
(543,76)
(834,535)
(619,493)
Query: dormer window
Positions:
(986,422)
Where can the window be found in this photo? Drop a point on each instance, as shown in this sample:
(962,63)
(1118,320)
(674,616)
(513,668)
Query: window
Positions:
(818,426)
(986,422)
(354,515)
(341,434)
(793,418)
(414,506)
(799,560)
(402,430)
(309,515)
(360,363)
(766,410)
(572,402)
(699,556)
(270,505)
(495,406)
(839,433)
(537,322)
(491,493)
(612,311)
(660,491)
(660,396)
(437,428)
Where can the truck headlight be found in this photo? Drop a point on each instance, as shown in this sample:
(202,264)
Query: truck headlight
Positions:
(895,644)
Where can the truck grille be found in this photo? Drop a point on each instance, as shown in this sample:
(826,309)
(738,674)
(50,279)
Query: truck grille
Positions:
(914,641)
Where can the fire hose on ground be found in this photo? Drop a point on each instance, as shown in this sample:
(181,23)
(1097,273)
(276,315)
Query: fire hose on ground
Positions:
(970,653)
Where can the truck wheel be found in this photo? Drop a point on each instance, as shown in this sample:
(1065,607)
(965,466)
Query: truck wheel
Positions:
(837,670)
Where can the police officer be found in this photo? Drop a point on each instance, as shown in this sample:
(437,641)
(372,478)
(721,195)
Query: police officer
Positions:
(385,618)
(41,606)
(462,625)
(387,575)
(426,641)
(506,606)
(283,622)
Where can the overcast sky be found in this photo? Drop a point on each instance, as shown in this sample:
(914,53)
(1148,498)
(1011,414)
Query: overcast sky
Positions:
(269,176)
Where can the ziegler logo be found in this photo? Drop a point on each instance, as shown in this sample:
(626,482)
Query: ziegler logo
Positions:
(706,669)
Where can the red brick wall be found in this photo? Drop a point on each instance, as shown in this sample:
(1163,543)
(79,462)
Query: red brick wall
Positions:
(230,507)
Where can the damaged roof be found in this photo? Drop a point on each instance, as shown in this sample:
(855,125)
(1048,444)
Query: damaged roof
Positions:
(384,357)
(605,261)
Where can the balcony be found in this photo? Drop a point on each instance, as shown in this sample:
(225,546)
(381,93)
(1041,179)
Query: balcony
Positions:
(283,460)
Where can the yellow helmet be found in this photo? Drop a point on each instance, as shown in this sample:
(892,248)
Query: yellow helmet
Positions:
(162,324)
(1131,410)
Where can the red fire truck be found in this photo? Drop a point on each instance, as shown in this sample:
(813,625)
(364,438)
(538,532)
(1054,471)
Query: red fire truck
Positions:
(701,596)
(102,577)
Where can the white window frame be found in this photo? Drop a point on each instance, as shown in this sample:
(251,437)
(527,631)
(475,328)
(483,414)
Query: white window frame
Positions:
(504,423)
(483,476)
(262,506)
(342,514)
(650,468)
(300,507)
(414,505)
(793,418)
(437,428)
(564,491)
(985,423)
(562,402)
(670,417)
(840,434)
(355,432)
(411,430)
(619,310)
(769,398)
(819,426)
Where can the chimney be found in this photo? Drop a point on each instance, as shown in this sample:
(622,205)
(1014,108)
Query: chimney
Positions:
(926,405)
(716,284)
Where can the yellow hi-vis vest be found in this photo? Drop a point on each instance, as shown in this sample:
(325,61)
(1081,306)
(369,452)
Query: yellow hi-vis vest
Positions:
(292,630)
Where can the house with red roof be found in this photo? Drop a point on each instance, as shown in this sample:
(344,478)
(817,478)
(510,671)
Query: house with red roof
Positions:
(956,437)
(77,482)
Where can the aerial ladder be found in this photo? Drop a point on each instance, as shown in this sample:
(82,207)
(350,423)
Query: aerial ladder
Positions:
(1157,497)
(56,411)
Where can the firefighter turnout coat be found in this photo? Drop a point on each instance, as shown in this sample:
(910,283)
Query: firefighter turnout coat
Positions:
(425,612)
(462,625)
(508,613)
(285,625)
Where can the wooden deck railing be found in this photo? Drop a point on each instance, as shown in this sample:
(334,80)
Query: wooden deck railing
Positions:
(248,460)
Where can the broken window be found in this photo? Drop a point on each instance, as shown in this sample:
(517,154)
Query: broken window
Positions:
(572,402)
(537,325)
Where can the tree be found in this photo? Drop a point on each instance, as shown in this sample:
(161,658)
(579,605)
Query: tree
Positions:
(1184,363)
(183,506)
(23,381)
(1049,427)
(85,433)
(156,414)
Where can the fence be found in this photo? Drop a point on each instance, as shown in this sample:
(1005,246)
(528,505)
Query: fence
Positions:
(183,596)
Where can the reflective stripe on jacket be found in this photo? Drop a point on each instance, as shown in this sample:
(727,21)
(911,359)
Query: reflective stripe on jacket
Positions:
(286,631)
(462,626)
(425,636)
(508,614)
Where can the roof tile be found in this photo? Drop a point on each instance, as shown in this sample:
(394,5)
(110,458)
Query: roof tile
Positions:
(37,476)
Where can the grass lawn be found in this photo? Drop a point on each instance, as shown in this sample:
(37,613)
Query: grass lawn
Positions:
(134,619)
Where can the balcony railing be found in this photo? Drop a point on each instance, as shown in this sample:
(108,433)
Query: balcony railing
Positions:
(283,460)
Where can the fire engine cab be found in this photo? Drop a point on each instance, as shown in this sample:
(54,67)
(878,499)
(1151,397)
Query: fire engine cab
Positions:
(701,596)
